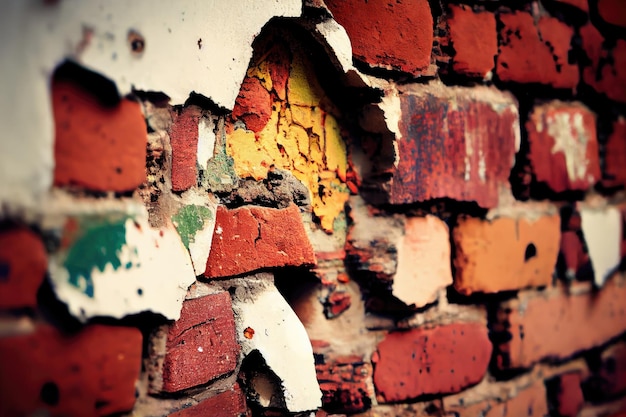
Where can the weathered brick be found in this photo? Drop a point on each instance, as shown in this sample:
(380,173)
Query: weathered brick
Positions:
(563,146)
(505,253)
(579,4)
(343,381)
(23,265)
(253,105)
(614,172)
(201,345)
(473,38)
(608,377)
(184,140)
(97,147)
(396,35)
(612,12)
(252,237)
(606,70)
(556,324)
(231,403)
(456,143)
(565,396)
(444,359)
(89,373)
(538,53)
(574,262)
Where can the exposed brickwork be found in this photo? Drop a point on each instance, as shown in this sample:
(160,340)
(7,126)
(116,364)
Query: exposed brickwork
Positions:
(445,359)
(253,105)
(574,260)
(93,372)
(608,378)
(614,174)
(343,381)
(231,403)
(485,263)
(565,395)
(23,264)
(184,140)
(557,325)
(97,147)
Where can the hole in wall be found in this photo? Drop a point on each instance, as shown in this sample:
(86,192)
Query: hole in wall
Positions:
(49,393)
(531,252)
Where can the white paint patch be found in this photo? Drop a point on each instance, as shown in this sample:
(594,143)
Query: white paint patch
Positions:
(337,39)
(570,139)
(281,339)
(602,230)
(156,279)
(206,141)
(392,109)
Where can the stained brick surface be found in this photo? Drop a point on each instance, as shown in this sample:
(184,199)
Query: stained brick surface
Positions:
(612,12)
(23,264)
(445,359)
(184,141)
(250,238)
(505,253)
(565,394)
(91,373)
(202,340)
(615,156)
(231,403)
(97,147)
(343,382)
(253,105)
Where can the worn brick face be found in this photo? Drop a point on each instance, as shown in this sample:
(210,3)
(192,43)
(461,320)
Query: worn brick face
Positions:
(90,373)
(253,105)
(343,381)
(614,174)
(23,265)
(184,141)
(444,359)
(456,143)
(557,325)
(563,146)
(396,35)
(201,345)
(97,147)
(250,238)
(565,395)
(231,403)
(505,253)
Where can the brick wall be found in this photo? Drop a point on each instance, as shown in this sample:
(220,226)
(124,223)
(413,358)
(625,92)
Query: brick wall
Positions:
(372,208)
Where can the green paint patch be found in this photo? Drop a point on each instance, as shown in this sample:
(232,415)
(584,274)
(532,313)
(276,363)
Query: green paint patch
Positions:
(189,220)
(99,243)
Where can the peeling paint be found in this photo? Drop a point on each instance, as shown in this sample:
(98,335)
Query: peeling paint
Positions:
(570,139)
(603,231)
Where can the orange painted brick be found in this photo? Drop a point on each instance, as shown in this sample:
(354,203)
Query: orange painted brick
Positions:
(97,147)
(23,265)
(505,253)
(90,373)
(184,140)
(556,324)
(231,403)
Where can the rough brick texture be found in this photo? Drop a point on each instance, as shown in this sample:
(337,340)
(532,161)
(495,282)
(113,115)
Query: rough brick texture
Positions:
(231,403)
(343,381)
(445,359)
(395,35)
(184,141)
(462,151)
(535,53)
(23,265)
(203,339)
(574,262)
(97,147)
(563,146)
(557,325)
(505,253)
(254,103)
(90,373)
(614,174)
(565,395)
(250,238)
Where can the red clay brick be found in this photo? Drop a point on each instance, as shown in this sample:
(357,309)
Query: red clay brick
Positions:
(612,12)
(563,146)
(574,262)
(396,35)
(456,143)
(444,359)
(97,147)
(473,38)
(614,174)
(558,325)
(90,373)
(23,265)
(253,105)
(505,253)
(184,140)
(565,394)
(535,54)
(343,382)
(201,345)
(231,403)
(252,237)
(579,4)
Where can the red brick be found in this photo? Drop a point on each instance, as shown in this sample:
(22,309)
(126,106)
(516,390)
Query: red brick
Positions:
(563,146)
(397,35)
(90,373)
(565,394)
(252,237)
(535,54)
(505,253)
(606,72)
(201,345)
(613,12)
(23,265)
(557,325)
(614,174)
(444,359)
(609,375)
(579,4)
(574,262)
(336,303)
(473,38)
(253,105)
(184,140)
(97,147)
(343,382)
(231,403)
(456,143)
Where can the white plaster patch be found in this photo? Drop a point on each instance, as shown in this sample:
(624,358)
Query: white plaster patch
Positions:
(390,105)
(570,139)
(281,339)
(602,230)
(152,273)
(206,141)
(338,40)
